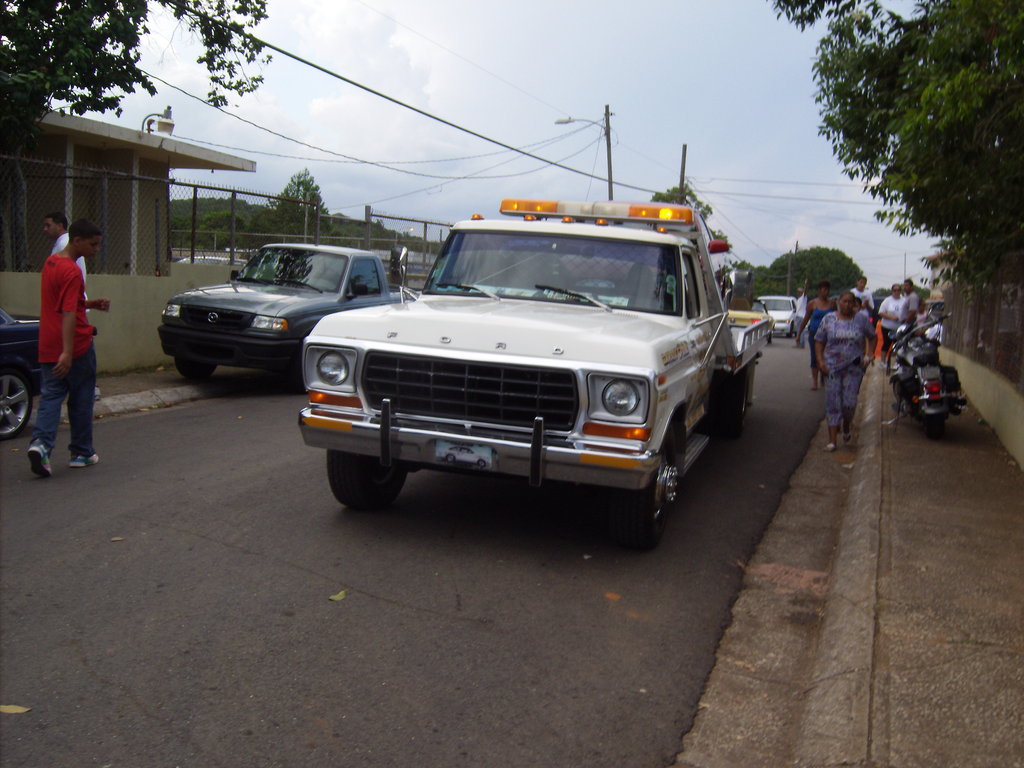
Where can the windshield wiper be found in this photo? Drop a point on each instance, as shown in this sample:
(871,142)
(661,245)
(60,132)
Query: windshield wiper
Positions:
(287,281)
(574,294)
(466,287)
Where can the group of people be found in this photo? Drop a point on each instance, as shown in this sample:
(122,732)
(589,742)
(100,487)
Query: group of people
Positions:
(842,334)
(67,354)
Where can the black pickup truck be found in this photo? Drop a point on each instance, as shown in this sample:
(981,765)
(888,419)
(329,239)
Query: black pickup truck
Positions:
(260,318)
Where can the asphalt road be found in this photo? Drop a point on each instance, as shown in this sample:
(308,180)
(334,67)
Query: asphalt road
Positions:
(171,605)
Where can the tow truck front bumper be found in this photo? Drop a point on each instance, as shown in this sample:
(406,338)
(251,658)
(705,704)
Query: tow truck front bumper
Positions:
(431,446)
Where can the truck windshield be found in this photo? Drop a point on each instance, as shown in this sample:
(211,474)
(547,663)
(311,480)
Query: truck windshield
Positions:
(621,274)
(297,267)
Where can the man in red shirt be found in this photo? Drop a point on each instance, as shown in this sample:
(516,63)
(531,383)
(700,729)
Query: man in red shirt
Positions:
(66,352)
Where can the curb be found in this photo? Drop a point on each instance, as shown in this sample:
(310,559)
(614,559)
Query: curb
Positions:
(835,728)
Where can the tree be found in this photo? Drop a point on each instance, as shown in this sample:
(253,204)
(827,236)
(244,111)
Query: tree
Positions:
(295,218)
(85,53)
(928,111)
(811,266)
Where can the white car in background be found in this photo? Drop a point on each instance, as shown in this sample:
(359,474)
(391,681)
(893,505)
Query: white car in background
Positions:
(783,311)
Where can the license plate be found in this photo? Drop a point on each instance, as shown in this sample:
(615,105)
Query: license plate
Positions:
(464,454)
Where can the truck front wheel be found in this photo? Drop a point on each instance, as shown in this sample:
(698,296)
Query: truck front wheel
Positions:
(193,369)
(636,519)
(360,482)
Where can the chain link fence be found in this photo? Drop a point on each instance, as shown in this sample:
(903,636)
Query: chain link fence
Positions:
(987,325)
(150,223)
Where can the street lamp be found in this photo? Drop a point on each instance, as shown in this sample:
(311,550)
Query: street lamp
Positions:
(607,129)
(164,122)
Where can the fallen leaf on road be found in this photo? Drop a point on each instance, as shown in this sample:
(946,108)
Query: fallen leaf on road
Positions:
(13,709)
(340,596)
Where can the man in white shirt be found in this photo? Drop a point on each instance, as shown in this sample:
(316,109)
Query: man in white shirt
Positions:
(55,227)
(890,312)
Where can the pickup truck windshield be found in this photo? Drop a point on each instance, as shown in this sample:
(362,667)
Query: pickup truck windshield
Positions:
(642,277)
(296,267)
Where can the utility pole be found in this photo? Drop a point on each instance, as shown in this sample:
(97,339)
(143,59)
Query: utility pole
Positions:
(682,177)
(608,146)
(789,270)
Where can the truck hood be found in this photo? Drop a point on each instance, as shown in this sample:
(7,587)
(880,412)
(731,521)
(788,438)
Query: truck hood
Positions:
(515,327)
(274,300)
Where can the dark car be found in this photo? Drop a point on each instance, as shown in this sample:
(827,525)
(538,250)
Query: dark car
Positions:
(260,318)
(19,373)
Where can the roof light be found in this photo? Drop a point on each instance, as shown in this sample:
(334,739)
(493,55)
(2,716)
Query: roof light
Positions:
(512,205)
(477,217)
(663,212)
(600,212)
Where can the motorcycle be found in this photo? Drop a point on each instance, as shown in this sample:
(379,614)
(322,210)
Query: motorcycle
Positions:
(924,389)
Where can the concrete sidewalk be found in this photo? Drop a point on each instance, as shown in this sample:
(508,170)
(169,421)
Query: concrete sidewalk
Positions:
(881,622)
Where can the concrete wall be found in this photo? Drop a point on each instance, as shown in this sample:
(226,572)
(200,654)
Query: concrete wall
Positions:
(127,335)
(995,398)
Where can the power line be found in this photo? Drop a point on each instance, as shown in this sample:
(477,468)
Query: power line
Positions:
(237,29)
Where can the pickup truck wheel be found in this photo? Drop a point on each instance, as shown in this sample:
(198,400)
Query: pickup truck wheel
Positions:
(193,369)
(293,376)
(360,482)
(636,519)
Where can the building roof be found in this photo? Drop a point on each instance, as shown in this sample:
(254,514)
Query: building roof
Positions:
(150,146)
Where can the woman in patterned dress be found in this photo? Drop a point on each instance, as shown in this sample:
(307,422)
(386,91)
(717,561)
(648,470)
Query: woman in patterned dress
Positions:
(842,346)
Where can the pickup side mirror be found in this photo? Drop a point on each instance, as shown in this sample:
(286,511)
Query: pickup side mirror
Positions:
(234,274)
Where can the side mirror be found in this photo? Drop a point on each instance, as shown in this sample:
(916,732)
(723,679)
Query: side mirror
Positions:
(234,274)
(397,264)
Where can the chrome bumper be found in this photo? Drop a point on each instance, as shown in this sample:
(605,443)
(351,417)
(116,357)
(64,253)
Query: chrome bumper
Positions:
(391,440)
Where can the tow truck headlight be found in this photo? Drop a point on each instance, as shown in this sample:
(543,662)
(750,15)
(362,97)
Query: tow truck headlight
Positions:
(620,397)
(268,323)
(172,310)
(333,368)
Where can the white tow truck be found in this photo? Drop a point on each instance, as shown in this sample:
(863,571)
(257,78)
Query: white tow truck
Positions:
(583,342)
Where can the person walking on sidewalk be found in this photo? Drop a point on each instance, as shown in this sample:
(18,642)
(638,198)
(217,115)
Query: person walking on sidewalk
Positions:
(843,346)
(817,308)
(890,311)
(66,352)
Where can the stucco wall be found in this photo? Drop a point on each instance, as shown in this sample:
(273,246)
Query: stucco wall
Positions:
(126,336)
(995,398)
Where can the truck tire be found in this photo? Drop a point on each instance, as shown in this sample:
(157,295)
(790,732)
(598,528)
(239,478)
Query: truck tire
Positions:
(935,425)
(636,519)
(360,482)
(731,405)
(193,369)
(293,376)
(15,402)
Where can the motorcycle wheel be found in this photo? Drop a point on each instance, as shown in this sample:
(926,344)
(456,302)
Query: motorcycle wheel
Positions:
(935,425)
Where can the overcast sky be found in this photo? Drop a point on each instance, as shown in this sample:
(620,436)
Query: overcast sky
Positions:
(724,77)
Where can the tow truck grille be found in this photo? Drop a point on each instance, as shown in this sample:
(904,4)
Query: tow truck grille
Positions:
(478,392)
(216,319)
